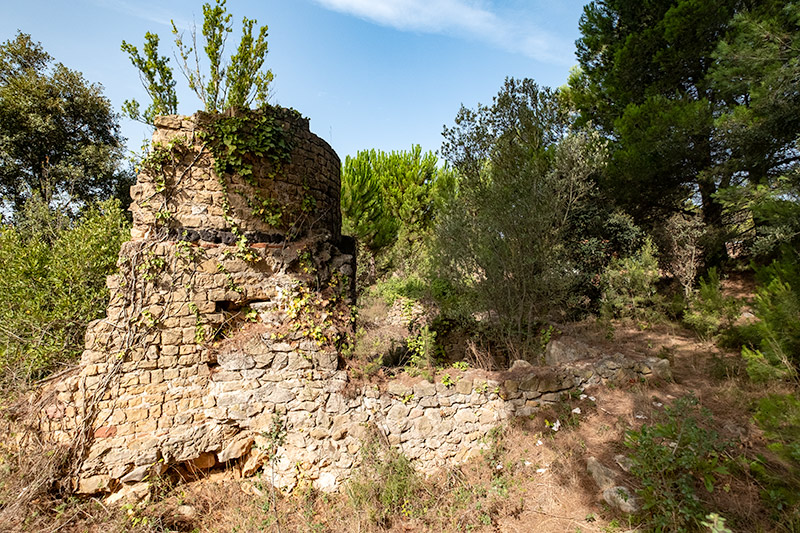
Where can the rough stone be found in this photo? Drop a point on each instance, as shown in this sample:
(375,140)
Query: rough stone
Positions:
(620,498)
(565,349)
(603,476)
(235,449)
(520,366)
(95,484)
(130,494)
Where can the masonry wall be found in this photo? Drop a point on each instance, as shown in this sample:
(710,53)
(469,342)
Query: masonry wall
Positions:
(185,198)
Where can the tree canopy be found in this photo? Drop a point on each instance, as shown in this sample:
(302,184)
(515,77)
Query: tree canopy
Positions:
(644,83)
(239,81)
(59,136)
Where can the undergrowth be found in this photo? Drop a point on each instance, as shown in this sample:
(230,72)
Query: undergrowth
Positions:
(672,459)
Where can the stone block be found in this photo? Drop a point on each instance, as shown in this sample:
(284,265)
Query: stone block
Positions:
(424,389)
(464,386)
(464,416)
(95,484)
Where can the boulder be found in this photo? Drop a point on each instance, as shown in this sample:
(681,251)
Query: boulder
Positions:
(603,476)
(567,350)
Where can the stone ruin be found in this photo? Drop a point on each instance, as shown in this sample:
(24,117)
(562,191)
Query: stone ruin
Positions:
(226,324)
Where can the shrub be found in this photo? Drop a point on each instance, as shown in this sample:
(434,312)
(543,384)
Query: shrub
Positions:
(501,239)
(53,284)
(709,310)
(671,460)
(629,284)
(681,243)
(595,237)
(385,483)
(777,306)
(778,416)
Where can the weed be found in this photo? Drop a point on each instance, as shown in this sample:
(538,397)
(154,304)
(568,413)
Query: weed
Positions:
(709,310)
(671,459)
(422,348)
(779,418)
(715,523)
(461,365)
(385,483)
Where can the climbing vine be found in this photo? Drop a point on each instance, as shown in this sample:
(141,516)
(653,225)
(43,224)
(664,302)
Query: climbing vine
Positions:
(162,156)
(235,141)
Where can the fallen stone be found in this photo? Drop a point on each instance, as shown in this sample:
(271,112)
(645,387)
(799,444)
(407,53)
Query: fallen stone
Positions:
(95,484)
(660,367)
(130,494)
(624,462)
(255,460)
(620,498)
(326,482)
(186,512)
(603,476)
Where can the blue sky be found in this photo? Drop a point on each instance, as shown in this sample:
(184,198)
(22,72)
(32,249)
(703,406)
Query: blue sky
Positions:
(382,74)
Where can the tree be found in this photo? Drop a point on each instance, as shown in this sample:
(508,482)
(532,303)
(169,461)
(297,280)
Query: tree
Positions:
(521,174)
(59,136)
(239,82)
(156,76)
(386,196)
(645,84)
(758,73)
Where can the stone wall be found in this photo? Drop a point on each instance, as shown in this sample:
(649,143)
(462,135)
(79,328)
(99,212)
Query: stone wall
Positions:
(186,198)
(221,328)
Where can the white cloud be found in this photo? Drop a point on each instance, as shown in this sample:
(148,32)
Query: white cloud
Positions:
(158,15)
(513,31)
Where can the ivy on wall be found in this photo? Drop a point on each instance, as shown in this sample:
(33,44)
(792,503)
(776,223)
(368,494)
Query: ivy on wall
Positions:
(236,141)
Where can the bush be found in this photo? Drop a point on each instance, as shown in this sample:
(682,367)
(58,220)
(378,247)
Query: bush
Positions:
(671,460)
(53,284)
(709,311)
(596,236)
(629,284)
(777,306)
(501,239)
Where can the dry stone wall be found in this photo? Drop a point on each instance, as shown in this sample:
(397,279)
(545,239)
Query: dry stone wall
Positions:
(222,329)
